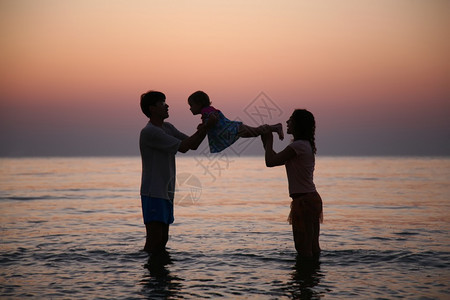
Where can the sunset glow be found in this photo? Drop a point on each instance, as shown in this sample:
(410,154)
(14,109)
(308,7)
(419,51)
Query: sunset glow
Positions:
(374,72)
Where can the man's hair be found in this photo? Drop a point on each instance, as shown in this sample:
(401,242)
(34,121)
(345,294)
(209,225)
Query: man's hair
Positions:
(151,98)
(201,98)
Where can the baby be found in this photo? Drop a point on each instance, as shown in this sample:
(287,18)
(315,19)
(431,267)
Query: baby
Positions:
(226,132)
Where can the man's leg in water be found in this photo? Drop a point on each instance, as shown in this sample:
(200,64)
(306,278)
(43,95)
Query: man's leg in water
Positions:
(157,237)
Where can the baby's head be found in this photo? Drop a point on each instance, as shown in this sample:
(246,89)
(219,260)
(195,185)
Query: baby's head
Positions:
(197,101)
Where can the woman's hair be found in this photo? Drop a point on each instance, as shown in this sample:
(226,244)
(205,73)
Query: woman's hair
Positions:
(304,127)
(201,98)
(150,98)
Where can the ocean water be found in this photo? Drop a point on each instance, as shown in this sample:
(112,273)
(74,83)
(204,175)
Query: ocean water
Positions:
(71,228)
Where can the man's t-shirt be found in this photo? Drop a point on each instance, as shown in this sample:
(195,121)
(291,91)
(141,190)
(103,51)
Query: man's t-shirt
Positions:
(158,147)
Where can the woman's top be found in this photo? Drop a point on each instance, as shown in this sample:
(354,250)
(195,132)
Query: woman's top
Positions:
(300,168)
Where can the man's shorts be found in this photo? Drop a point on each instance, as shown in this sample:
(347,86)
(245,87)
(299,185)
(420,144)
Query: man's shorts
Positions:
(157,210)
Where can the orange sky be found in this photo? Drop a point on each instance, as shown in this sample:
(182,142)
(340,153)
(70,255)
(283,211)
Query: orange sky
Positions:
(363,67)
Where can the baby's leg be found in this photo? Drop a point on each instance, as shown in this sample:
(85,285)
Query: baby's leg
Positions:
(278,128)
(248,131)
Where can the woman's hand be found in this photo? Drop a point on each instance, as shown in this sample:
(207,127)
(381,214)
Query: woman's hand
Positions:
(272,158)
(267,139)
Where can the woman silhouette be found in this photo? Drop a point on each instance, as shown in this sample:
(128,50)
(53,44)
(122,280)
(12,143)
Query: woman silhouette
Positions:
(299,160)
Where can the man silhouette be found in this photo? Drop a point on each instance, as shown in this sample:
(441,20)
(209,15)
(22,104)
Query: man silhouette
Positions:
(159,142)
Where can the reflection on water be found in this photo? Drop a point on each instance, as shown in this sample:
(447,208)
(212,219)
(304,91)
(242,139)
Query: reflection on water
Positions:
(72,228)
(305,277)
(159,283)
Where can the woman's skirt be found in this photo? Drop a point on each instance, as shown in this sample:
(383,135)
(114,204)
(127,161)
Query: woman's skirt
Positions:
(307,206)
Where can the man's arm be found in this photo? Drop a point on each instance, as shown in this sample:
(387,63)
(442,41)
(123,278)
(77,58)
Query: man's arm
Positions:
(192,142)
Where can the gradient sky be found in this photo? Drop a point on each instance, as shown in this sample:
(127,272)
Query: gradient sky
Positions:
(376,74)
